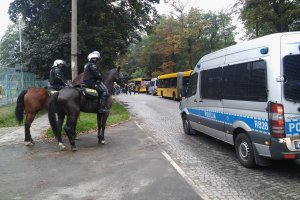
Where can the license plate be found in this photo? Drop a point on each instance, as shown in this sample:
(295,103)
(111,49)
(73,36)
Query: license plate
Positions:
(297,144)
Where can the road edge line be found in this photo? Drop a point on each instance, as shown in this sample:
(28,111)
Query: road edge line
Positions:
(184,176)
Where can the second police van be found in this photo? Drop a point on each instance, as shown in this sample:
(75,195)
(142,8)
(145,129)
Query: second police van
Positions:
(248,95)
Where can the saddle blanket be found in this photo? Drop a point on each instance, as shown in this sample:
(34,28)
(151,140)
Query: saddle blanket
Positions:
(90,92)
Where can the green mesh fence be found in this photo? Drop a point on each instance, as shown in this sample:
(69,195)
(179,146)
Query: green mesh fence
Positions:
(13,81)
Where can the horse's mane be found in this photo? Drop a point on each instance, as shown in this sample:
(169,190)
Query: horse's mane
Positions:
(78,80)
(106,79)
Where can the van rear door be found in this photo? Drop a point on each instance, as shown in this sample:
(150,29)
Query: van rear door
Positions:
(290,58)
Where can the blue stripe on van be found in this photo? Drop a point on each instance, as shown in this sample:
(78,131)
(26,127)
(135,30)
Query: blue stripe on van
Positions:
(292,126)
(256,124)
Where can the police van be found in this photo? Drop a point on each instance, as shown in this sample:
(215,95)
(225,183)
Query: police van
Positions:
(248,95)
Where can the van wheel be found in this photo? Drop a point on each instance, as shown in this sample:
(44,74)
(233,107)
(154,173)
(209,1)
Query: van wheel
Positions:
(187,126)
(174,96)
(244,150)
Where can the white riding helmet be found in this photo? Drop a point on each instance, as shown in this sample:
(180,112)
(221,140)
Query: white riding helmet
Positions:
(97,52)
(58,62)
(93,55)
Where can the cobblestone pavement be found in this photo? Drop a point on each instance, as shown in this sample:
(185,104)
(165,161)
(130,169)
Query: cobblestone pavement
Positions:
(211,164)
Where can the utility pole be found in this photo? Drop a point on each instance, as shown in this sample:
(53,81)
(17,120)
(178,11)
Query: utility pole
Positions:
(74,62)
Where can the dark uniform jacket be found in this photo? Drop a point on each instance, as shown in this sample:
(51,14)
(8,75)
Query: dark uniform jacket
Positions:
(91,75)
(57,80)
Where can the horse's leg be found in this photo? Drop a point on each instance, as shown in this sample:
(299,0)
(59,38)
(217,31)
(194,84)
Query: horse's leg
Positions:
(74,130)
(99,123)
(69,129)
(60,122)
(101,127)
(104,119)
(28,121)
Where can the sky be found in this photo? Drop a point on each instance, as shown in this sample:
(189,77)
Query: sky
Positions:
(162,8)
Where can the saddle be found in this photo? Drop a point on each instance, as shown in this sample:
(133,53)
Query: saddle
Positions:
(89,93)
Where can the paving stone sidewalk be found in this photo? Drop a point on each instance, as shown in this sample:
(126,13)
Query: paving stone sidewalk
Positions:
(15,135)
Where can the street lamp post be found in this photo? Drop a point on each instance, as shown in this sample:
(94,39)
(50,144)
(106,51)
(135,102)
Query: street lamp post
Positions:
(20,38)
(20,35)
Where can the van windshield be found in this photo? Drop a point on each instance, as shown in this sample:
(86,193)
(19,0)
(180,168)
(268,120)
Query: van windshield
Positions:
(291,73)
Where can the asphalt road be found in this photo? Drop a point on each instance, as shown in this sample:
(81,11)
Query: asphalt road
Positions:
(210,165)
(130,166)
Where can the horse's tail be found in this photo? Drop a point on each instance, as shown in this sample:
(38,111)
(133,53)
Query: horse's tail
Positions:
(52,112)
(19,110)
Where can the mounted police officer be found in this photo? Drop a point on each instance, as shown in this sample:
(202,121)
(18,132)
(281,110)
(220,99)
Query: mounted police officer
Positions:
(93,79)
(57,80)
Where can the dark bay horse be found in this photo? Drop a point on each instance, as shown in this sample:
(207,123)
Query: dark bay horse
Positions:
(33,100)
(71,101)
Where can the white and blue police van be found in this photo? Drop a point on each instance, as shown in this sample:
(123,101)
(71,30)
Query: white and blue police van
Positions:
(248,95)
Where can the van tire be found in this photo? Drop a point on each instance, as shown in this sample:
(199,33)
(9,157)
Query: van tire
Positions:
(187,126)
(244,150)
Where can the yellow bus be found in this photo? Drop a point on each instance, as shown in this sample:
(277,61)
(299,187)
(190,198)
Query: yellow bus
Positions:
(169,85)
(139,81)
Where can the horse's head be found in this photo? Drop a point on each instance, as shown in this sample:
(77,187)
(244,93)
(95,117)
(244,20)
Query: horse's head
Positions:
(119,77)
(114,75)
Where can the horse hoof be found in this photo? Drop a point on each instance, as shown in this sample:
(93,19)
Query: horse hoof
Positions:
(74,148)
(102,142)
(62,147)
(29,143)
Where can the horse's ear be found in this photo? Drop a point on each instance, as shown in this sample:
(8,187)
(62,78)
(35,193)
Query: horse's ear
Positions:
(118,68)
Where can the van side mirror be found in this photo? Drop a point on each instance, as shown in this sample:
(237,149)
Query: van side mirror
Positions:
(183,91)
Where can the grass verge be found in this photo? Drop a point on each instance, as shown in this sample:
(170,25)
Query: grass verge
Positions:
(88,121)
(7,116)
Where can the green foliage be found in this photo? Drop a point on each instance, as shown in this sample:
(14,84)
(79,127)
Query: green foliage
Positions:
(88,121)
(107,26)
(139,72)
(10,46)
(269,16)
(176,44)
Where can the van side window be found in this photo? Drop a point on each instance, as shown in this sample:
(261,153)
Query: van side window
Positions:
(211,83)
(192,86)
(246,81)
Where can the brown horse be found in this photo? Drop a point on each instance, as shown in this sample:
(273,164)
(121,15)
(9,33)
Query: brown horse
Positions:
(33,100)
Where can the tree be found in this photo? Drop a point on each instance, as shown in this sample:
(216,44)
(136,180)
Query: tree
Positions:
(107,26)
(176,44)
(10,45)
(262,17)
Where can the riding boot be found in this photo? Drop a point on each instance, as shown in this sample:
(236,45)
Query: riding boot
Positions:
(102,105)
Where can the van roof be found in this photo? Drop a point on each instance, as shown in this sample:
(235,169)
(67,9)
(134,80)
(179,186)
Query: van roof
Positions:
(263,41)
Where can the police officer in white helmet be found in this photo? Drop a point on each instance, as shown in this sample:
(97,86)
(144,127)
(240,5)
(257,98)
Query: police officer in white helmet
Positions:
(93,79)
(57,80)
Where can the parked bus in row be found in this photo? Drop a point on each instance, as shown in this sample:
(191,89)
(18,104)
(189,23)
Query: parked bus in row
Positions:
(169,85)
(248,95)
(142,82)
(153,86)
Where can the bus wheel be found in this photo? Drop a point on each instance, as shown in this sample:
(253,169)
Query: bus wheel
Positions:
(244,150)
(174,96)
(162,94)
(187,126)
